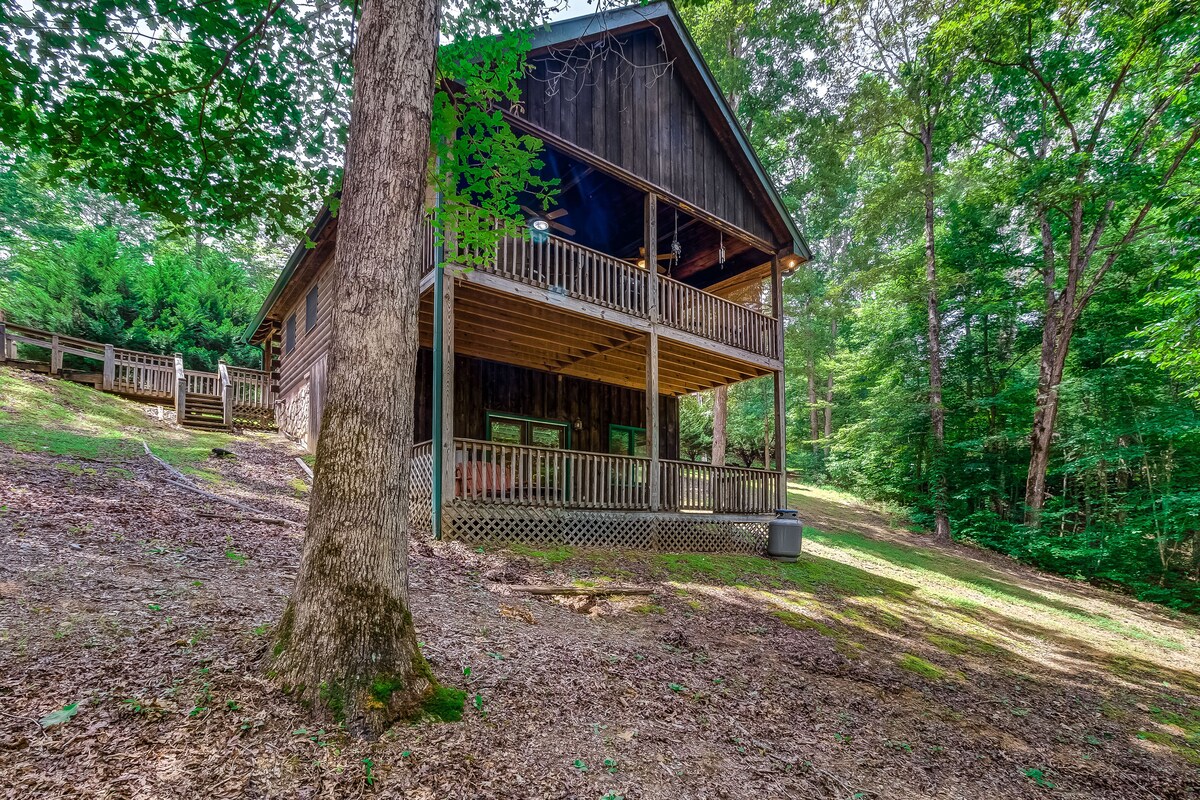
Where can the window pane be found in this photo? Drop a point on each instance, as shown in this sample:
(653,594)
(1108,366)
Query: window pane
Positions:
(639,443)
(310,309)
(549,435)
(289,339)
(505,431)
(618,441)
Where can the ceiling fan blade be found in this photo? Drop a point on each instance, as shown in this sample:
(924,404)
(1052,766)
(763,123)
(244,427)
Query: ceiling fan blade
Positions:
(567,229)
(556,213)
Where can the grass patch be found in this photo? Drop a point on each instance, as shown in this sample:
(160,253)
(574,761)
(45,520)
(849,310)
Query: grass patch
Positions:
(803,623)
(553,555)
(920,667)
(962,647)
(810,573)
(73,421)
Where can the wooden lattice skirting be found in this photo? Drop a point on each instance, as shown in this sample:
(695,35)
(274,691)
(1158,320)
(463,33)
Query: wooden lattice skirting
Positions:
(481,523)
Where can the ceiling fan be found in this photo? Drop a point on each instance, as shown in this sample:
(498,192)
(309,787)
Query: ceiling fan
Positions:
(544,221)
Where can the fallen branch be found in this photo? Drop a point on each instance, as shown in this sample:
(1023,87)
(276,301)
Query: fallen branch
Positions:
(246,518)
(234,503)
(305,467)
(178,475)
(580,591)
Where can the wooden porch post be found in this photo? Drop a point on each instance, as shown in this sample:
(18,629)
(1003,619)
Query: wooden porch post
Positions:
(55,355)
(780,388)
(443,386)
(3,338)
(652,438)
(110,367)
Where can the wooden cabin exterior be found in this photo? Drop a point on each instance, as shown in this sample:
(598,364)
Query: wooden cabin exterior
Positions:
(548,381)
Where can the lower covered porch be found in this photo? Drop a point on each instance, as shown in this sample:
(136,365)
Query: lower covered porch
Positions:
(541,496)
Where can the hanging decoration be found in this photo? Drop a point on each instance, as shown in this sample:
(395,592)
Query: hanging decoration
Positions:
(721,251)
(676,248)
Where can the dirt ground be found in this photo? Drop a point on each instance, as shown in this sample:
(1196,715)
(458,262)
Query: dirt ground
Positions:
(876,667)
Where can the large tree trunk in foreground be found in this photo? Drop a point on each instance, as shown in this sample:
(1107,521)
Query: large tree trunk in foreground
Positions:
(937,412)
(346,641)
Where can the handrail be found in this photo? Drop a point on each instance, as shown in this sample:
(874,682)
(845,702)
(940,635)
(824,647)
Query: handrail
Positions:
(528,475)
(574,270)
(696,486)
(543,476)
(696,311)
(134,372)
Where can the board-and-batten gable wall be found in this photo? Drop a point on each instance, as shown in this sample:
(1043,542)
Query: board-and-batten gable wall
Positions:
(633,112)
(489,386)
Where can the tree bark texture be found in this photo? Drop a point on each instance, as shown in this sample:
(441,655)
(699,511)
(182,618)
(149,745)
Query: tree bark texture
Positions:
(937,412)
(720,423)
(346,642)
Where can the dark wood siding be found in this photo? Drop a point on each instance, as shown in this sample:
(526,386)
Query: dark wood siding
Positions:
(630,110)
(483,386)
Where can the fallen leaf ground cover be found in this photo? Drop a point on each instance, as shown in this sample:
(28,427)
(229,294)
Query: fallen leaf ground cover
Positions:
(876,666)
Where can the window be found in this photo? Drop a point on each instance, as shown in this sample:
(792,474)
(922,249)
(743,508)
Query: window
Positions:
(289,335)
(624,440)
(524,430)
(310,309)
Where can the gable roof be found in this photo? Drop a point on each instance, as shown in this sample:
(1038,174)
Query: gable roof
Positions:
(662,15)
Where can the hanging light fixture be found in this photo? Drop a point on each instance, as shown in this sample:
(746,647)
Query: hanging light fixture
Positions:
(676,247)
(539,224)
(721,251)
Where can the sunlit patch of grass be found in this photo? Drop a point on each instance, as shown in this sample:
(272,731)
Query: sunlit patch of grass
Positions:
(803,623)
(962,647)
(920,666)
(73,421)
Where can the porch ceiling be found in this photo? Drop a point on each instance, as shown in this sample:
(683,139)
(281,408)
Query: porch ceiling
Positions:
(500,327)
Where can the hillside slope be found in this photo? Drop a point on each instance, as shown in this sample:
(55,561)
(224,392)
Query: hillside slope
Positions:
(877,666)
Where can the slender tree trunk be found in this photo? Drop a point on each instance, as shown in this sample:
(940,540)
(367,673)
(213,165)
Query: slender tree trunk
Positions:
(346,641)
(720,422)
(1056,339)
(937,413)
(829,386)
(814,425)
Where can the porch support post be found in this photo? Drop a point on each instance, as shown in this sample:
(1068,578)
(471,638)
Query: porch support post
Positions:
(780,421)
(652,437)
(443,386)
(650,237)
(650,245)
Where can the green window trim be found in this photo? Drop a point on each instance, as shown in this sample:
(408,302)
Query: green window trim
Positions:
(628,434)
(528,425)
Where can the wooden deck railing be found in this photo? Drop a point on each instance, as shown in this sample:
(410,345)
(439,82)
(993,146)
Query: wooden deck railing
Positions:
(694,486)
(573,270)
(550,262)
(493,473)
(695,311)
(150,376)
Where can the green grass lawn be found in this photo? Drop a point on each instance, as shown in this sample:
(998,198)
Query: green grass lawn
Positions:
(76,422)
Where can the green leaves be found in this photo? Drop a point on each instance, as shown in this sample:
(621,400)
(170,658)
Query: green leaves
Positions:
(59,717)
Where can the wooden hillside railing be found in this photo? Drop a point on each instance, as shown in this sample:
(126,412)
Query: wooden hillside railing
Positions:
(150,376)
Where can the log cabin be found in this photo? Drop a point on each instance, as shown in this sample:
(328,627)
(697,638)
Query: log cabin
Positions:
(548,383)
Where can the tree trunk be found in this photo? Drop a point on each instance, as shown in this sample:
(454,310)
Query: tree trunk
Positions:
(814,425)
(346,641)
(829,386)
(720,421)
(1056,339)
(937,413)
